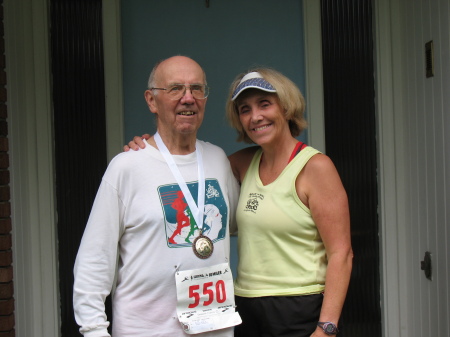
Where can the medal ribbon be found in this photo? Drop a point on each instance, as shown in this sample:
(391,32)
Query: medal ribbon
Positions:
(196,211)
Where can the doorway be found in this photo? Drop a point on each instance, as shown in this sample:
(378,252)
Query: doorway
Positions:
(224,52)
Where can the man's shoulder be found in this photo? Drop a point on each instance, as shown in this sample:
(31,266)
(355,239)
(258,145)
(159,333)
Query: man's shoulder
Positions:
(129,162)
(129,156)
(211,148)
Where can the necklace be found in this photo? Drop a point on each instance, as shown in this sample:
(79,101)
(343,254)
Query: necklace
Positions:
(203,246)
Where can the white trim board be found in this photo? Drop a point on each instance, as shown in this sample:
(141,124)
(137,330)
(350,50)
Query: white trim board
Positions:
(112,49)
(390,167)
(31,161)
(314,74)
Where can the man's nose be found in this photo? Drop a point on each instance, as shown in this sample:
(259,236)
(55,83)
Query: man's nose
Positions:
(187,97)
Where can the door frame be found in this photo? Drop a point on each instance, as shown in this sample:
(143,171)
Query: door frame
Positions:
(389,90)
(31,152)
(31,163)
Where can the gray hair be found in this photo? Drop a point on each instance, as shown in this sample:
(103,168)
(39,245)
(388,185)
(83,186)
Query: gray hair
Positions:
(151,79)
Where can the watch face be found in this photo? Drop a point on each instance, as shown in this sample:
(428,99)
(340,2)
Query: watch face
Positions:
(330,328)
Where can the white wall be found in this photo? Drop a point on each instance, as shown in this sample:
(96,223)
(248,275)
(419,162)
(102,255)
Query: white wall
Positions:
(420,123)
(414,156)
(427,157)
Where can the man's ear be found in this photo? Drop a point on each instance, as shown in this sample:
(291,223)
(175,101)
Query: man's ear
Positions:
(150,99)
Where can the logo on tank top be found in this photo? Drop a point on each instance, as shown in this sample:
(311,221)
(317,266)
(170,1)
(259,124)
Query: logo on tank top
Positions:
(253,202)
(180,226)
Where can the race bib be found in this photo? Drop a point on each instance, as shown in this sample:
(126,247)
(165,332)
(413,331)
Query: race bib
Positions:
(206,299)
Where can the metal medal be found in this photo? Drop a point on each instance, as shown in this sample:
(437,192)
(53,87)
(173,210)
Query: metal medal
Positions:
(203,247)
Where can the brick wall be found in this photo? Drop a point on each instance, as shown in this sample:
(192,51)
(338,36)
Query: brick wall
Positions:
(6,269)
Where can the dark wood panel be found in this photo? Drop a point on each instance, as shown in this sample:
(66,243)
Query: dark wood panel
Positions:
(79,130)
(350,129)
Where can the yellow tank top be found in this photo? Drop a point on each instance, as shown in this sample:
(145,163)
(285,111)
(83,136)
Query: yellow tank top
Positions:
(280,250)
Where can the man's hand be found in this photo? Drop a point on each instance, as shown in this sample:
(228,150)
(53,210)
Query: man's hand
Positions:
(136,143)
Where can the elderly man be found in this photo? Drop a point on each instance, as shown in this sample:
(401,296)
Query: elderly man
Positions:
(148,205)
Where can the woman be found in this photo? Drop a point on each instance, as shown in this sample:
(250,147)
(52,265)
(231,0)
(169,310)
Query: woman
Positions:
(295,255)
(293,217)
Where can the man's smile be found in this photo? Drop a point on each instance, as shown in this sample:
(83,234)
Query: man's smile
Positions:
(186,113)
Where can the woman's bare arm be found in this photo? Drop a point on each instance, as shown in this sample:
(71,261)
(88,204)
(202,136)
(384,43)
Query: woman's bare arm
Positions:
(321,189)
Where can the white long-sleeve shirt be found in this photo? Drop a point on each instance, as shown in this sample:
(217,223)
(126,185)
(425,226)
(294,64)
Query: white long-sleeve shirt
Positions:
(127,236)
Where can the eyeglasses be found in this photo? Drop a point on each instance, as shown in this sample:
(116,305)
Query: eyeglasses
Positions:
(176,91)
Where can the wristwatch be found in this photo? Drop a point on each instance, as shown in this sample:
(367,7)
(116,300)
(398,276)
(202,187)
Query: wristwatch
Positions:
(328,327)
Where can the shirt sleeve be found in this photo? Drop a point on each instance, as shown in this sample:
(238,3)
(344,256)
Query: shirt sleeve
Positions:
(96,261)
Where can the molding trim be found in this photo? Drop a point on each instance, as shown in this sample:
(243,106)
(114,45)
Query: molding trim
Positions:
(389,94)
(314,74)
(112,48)
(36,290)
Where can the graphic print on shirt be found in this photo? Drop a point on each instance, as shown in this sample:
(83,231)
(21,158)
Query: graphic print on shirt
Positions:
(253,202)
(181,227)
